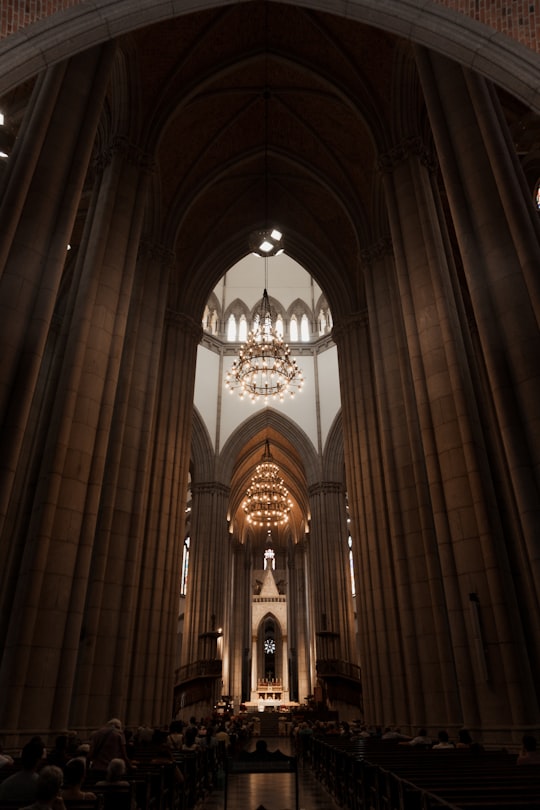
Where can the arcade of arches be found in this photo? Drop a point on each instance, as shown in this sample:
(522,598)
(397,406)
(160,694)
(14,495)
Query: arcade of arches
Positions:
(402,163)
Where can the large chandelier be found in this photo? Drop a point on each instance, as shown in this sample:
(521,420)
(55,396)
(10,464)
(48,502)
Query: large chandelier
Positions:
(264,367)
(267,501)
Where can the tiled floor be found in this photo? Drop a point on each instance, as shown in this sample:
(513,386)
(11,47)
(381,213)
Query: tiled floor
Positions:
(273,791)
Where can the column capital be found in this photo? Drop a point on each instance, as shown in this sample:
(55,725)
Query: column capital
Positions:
(350,323)
(131,152)
(150,250)
(210,488)
(185,323)
(407,148)
(382,247)
(327,488)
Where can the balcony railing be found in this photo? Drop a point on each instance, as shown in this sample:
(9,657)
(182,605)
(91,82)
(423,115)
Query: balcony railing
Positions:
(332,668)
(199,669)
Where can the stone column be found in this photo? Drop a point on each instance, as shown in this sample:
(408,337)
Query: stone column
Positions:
(469,548)
(104,672)
(254,669)
(210,575)
(40,194)
(158,587)
(299,621)
(333,613)
(498,231)
(285,665)
(42,645)
(384,679)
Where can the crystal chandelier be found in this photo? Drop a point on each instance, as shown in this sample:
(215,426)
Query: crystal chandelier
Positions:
(267,501)
(264,367)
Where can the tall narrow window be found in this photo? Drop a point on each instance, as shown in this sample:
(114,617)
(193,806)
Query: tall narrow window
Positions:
(231,328)
(293,328)
(304,328)
(279,326)
(351,566)
(185,567)
(242,329)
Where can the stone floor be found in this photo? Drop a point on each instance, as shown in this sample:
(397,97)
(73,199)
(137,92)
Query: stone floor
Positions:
(272,791)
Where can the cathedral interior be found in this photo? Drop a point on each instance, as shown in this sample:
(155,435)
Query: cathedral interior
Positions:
(397,149)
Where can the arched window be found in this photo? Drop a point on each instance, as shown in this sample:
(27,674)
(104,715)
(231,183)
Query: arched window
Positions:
(185,567)
(279,326)
(214,322)
(304,328)
(329,320)
(242,328)
(322,322)
(293,328)
(231,328)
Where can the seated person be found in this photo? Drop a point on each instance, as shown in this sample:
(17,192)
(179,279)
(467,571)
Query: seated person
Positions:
(528,754)
(420,739)
(74,773)
(48,787)
(444,741)
(116,770)
(21,786)
(5,759)
(464,739)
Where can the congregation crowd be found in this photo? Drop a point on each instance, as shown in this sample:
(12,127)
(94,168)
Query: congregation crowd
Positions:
(38,777)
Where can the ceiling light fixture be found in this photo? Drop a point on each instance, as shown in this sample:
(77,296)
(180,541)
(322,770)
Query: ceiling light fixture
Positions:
(267,501)
(264,367)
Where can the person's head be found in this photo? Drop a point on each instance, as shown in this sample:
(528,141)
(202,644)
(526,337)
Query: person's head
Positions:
(464,736)
(443,736)
(48,783)
(529,742)
(61,742)
(31,755)
(74,772)
(115,723)
(190,735)
(116,770)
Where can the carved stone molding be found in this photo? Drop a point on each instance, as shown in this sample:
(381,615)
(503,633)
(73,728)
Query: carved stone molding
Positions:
(210,488)
(150,250)
(350,323)
(132,153)
(326,488)
(185,323)
(409,147)
(382,247)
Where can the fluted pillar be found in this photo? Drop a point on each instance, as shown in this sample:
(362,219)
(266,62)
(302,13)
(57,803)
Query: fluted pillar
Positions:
(110,618)
(158,586)
(492,669)
(331,595)
(498,232)
(300,625)
(39,663)
(210,575)
(384,679)
(40,195)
